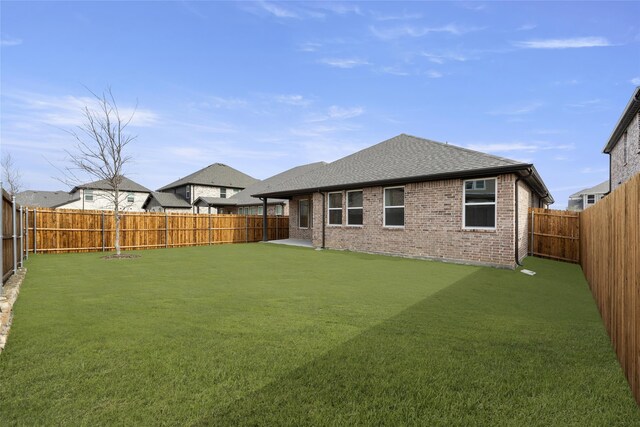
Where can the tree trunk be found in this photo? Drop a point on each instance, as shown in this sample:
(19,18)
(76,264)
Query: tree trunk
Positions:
(116,213)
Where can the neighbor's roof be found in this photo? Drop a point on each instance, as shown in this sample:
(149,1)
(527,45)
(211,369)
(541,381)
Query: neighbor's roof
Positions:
(630,111)
(273,183)
(125,185)
(217,174)
(601,188)
(405,159)
(244,198)
(44,199)
(167,200)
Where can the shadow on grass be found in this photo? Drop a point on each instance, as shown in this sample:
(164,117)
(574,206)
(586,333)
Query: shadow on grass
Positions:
(497,347)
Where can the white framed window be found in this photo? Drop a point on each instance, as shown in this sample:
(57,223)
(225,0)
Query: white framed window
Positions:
(335,208)
(479,210)
(223,193)
(354,207)
(591,199)
(88,195)
(303,213)
(131,198)
(279,210)
(394,207)
(260,210)
(188,194)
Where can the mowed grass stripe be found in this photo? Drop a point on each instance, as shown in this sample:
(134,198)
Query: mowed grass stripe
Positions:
(261,335)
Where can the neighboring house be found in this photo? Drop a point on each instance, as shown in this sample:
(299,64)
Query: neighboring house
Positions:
(243,203)
(623,146)
(45,199)
(166,202)
(589,196)
(216,180)
(96,195)
(414,197)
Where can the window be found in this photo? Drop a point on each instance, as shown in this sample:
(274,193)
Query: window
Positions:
(354,207)
(260,210)
(335,208)
(188,194)
(279,210)
(303,213)
(394,207)
(130,198)
(223,193)
(88,195)
(480,203)
(591,199)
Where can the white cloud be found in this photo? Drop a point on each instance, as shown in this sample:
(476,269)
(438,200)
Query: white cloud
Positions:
(277,10)
(570,43)
(399,17)
(292,100)
(309,47)
(517,146)
(593,170)
(395,71)
(10,42)
(517,109)
(412,31)
(432,74)
(340,8)
(335,112)
(635,81)
(344,62)
(444,57)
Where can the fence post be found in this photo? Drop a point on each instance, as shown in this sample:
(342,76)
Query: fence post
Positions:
(21,239)
(166,229)
(26,229)
(246,228)
(1,237)
(103,231)
(15,236)
(533,213)
(35,231)
(210,231)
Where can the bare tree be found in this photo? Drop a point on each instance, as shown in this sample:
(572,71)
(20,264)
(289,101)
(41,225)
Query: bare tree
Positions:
(10,174)
(99,152)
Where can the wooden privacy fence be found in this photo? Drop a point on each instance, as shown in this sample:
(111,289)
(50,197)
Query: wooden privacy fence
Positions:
(62,230)
(610,259)
(12,231)
(554,234)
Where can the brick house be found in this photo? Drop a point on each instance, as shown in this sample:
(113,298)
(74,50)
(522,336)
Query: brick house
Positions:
(623,146)
(413,197)
(216,180)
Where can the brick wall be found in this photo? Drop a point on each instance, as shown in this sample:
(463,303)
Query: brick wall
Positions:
(433,225)
(296,232)
(525,201)
(621,171)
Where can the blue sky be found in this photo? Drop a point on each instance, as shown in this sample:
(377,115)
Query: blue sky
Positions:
(265,86)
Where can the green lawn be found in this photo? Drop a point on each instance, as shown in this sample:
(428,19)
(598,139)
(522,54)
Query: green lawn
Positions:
(259,334)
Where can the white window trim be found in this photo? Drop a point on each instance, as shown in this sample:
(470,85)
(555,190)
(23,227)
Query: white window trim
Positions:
(384,207)
(361,208)
(329,208)
(308,213)
(131,198)
(465,204)
(88,192)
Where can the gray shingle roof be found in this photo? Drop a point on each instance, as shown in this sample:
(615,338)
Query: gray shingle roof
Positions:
(44,199)
(601,188)
(401,158)
(125,185)
(244,198)
(273,183)
(167,200)
(218,175)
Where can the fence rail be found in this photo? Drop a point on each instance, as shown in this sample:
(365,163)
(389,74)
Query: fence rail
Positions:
(554,234)
(63,230)
(610,259)
(12,235)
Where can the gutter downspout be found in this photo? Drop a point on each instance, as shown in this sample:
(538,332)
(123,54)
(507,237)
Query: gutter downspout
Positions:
(516,217)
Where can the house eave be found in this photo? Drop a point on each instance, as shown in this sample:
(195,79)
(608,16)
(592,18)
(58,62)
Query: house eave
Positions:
(474,173)
(630,111)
